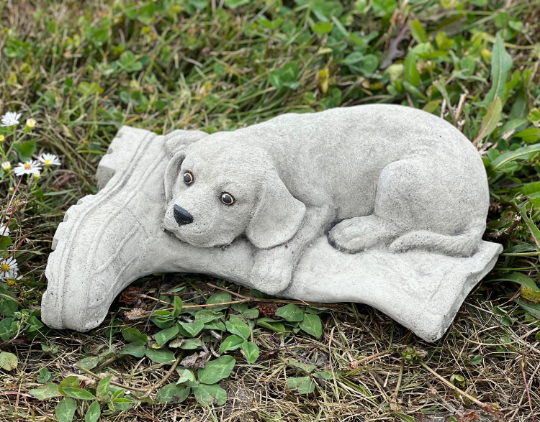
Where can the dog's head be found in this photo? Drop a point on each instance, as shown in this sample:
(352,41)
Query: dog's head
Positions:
(218,191)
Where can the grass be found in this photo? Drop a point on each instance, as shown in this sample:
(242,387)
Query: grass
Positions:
(84,69)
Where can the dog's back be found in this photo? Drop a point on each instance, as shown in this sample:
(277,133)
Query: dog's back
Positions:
(344,150)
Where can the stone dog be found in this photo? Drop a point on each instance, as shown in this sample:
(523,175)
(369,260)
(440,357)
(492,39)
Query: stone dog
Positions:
(370,177)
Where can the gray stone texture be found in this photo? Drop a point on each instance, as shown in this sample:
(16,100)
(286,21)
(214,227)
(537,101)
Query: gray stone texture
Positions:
(380,204)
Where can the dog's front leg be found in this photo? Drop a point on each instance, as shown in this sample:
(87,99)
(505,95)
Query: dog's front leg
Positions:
(273,268)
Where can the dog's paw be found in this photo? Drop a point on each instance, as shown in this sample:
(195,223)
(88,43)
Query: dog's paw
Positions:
(359,234)
(271,273)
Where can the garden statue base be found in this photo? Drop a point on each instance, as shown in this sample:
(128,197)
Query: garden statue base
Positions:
(115,237)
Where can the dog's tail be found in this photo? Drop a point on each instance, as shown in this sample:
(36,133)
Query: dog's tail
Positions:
(464,244)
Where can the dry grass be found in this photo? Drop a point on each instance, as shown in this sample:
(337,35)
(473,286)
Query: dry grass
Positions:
(380,370)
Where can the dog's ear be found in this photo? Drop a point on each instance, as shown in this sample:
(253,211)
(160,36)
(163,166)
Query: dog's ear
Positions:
(179,139)
(278,214)
(171,172)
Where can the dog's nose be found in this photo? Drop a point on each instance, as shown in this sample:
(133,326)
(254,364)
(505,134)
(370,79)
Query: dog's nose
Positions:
(182,216)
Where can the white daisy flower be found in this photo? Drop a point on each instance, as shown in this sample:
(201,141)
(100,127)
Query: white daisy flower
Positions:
(6,166)
(4,231)
(30,167)
(49,160)
(10,119)
(8,266)
(12,277)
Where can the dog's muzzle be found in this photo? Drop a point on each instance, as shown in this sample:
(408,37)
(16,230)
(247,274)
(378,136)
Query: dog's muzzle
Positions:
(181,216)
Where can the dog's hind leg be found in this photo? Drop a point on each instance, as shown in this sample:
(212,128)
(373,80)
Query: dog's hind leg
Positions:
(360,233)
(402,202)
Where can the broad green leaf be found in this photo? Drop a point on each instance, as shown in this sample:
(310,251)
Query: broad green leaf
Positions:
(418,31)
(231,343)
(220,297)
(129,62)
(8,303)
(384,8)
(501,64)
(251,350)
(89,362)
(65,410)
(312,325)
(324,375)
(25,150)
(44,375)
(132,334)
(93,413)
(137,349)
(410,72)
(529,136)
(191,344)
(443,42)
(34,324)
(207,315)
(521,279)
(185,376)
(69,382)
(210,394)
(240,307)
(477,360)
(163,319)
(352,58)
(8,361)
(517,154)
(467,66)
(321,28)
(251,313)
(5,242)
(530,295)
(160,355)
(304,385)
(8,328)
(534,116)
(274,77)
(78,393)
(103,386)
(192,328)
(177,306)
(164,336)
(236,326)
(289,73)
(308,368)
(215,325)
(290,313)
(490,120)
(216,370)
(173,393)
(46,391)
(278,327)
(369,64)
(532,308)
(88,89)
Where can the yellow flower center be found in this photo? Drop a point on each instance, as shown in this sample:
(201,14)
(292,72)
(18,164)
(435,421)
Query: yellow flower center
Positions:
(5,268)
(11,282)
(48,161)
(27,166)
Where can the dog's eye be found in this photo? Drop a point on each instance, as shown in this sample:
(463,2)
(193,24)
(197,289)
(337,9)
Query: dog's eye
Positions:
(227,198)
(188,178)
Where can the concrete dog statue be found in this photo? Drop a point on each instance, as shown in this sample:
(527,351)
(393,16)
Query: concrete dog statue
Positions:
(372,177)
